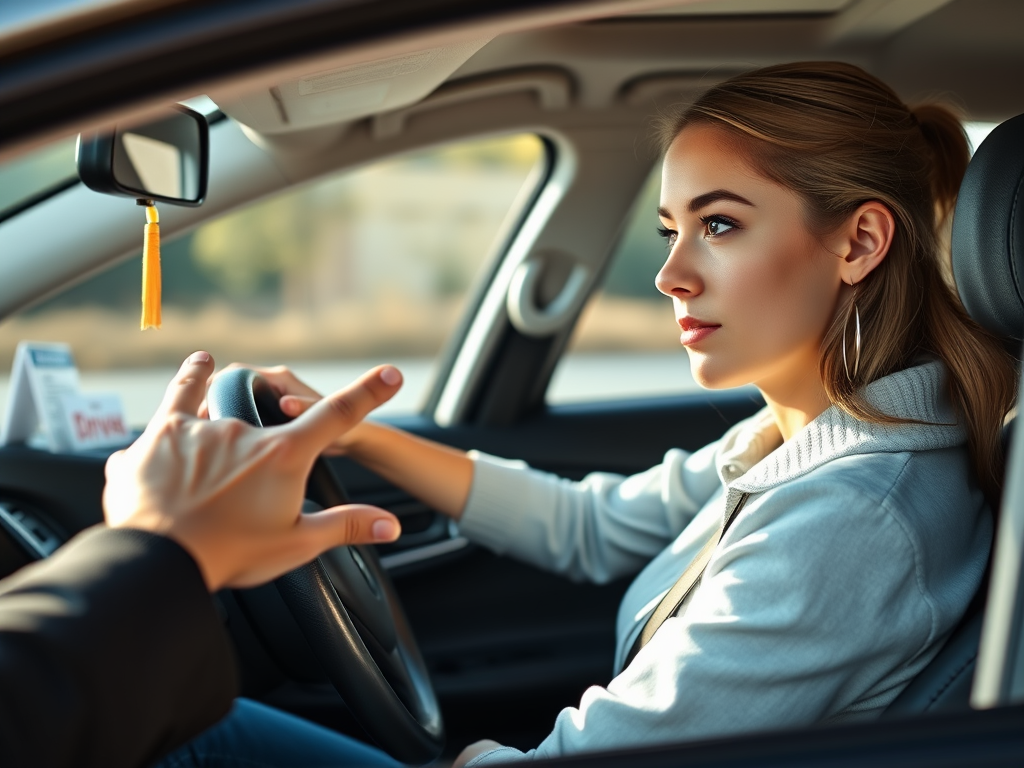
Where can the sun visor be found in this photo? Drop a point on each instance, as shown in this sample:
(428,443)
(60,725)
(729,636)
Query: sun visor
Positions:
(348,93)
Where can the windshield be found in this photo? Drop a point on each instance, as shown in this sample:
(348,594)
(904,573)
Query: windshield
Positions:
(32,178)
(18,16)
(35,175)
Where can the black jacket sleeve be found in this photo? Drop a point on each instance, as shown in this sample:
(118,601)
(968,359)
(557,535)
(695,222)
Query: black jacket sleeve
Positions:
(111,654)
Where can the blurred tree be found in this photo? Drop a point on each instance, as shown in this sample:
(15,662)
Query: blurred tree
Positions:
(246,252)
(119,288)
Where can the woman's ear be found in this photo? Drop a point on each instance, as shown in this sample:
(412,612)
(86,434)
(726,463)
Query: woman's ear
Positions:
(864,241)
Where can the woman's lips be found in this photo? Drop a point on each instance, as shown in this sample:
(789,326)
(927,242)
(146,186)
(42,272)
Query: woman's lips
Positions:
(695,330)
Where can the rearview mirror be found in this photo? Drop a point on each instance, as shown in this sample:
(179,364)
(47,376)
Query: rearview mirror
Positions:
(166,159)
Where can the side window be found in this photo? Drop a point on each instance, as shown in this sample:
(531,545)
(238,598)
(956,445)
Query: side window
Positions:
(626,343)
(977,132)
(361,268)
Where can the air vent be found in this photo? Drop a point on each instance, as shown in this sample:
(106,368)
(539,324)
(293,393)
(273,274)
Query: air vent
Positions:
(28,530)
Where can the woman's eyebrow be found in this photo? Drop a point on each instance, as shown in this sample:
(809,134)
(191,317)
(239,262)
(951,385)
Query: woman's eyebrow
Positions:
(703,201)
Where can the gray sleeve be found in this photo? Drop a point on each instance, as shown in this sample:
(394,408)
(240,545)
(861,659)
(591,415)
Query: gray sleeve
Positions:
(810,607)
(597,529)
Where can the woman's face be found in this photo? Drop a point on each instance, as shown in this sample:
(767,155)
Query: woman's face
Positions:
(753,289)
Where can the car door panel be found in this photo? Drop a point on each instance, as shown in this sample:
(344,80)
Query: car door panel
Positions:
(989,738)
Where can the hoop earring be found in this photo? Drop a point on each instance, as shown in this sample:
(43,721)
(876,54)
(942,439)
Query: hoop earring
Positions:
(856,344)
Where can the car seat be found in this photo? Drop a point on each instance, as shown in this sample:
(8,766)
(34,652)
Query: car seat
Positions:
(988,263)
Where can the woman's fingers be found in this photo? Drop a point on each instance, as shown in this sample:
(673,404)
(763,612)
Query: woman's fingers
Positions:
(296,405)
(285,382)
(335,414)
(281,378)
(187,389)
(475,749)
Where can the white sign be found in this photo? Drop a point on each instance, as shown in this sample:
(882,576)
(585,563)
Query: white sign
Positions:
(95,421)
(44,384)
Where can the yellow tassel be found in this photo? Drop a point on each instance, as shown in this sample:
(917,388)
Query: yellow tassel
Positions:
(151,271)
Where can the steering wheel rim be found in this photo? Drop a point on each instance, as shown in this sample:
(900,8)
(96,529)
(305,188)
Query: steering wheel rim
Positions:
(346,607)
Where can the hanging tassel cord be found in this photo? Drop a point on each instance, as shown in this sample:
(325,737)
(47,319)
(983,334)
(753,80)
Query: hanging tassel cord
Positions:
(151,317)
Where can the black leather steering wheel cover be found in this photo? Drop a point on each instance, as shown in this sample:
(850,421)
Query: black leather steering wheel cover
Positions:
(409,727)
(988,233)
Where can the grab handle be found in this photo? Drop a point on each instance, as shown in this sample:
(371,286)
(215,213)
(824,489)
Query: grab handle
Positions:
(529,319)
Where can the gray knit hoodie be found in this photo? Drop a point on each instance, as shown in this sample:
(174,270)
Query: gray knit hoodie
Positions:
(856,552)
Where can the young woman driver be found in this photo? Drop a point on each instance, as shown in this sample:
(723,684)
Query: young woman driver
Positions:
(803,206)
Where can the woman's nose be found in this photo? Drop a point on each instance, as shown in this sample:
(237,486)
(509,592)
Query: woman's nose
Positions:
(677,276)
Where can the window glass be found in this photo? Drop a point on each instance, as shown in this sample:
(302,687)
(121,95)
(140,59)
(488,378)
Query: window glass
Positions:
(14,15)
(366,267)
(37,172)
(626,343)
(976,132)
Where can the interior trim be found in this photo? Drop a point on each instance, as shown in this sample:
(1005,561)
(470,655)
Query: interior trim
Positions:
(421,554)
(999,677)
(675,87)
(552,87)
(492,317)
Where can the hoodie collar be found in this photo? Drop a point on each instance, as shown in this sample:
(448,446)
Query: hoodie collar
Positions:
(752,456)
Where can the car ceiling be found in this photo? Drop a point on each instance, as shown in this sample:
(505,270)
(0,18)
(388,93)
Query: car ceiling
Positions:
(969,47)
(919,46)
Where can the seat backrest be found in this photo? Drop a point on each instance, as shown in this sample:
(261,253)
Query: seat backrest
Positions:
(945,684)
(988,263)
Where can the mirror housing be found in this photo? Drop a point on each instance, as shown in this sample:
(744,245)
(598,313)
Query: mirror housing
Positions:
(166,159)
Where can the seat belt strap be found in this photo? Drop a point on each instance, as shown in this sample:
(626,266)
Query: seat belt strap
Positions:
(686,583)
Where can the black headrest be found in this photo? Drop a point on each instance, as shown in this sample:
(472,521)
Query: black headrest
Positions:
(988,232)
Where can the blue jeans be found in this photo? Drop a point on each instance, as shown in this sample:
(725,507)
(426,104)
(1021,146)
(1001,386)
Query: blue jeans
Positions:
(253,735)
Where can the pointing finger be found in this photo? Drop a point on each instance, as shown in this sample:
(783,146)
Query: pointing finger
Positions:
(335,414)
(188,387)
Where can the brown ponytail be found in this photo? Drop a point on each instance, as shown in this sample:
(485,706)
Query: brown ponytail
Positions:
(840,137)
(944,133)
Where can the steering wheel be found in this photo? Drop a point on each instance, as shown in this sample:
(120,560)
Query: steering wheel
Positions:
(346,607)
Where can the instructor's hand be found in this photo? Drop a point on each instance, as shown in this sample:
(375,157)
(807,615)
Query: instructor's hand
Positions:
(232,494)
(296,397)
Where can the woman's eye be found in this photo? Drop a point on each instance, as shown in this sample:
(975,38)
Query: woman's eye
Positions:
(716,225)
(669,235)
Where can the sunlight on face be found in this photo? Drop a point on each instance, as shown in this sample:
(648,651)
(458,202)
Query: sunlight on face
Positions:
(753,290)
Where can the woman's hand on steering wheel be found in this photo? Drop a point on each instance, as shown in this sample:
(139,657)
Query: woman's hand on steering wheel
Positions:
(232,494)
(474,750)
(296,397)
